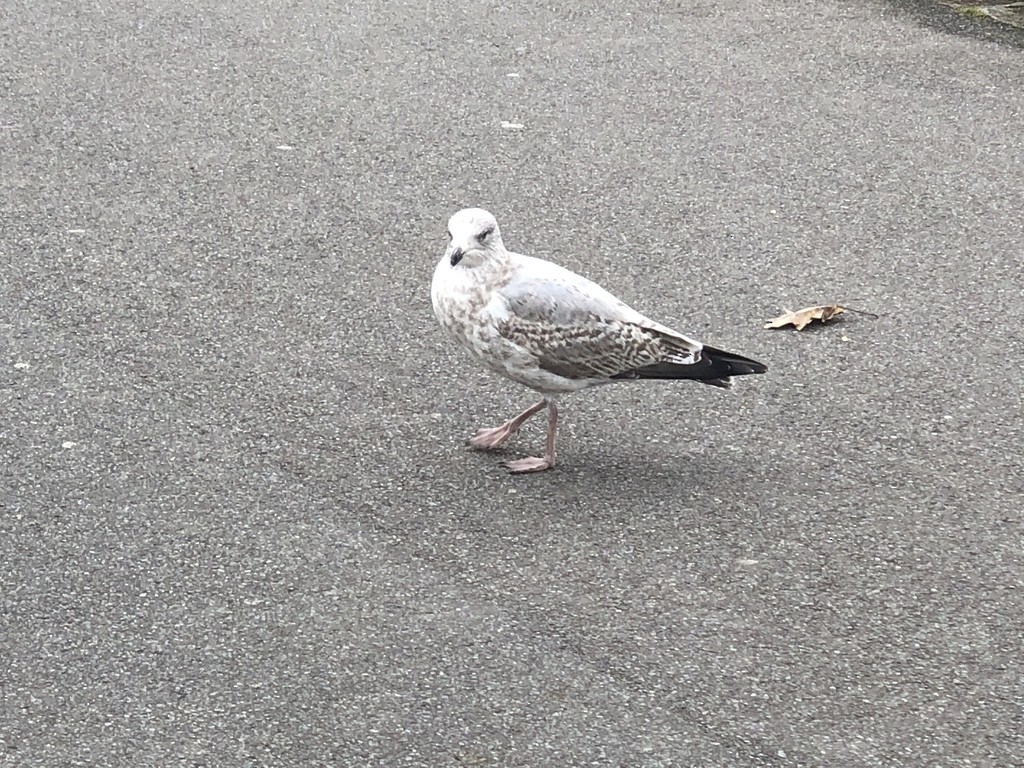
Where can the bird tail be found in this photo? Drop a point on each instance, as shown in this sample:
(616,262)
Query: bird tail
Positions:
(715,367)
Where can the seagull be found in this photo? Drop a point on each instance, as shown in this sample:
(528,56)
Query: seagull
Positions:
(553,330)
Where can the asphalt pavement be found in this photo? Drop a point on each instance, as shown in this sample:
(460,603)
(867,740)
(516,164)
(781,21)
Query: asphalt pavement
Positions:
(239,525)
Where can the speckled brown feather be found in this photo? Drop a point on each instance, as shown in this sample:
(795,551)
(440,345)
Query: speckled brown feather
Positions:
(592,349)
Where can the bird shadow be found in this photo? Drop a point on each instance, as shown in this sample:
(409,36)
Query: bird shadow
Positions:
(632,480)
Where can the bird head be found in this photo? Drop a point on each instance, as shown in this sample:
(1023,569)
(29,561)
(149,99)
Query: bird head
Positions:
(475,238)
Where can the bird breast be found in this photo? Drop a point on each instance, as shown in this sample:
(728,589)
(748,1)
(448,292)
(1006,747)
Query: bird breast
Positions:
(461,298)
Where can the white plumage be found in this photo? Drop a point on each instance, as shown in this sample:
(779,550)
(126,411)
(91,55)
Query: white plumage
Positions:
(552,330)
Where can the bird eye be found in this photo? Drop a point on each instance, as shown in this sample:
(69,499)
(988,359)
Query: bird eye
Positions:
(485,234)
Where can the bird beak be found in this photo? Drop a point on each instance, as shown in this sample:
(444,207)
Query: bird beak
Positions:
(456,255)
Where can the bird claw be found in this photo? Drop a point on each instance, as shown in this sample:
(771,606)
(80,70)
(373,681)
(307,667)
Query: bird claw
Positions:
(529,464)
(490,439)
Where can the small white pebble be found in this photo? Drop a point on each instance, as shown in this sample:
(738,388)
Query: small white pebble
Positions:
(76,231)
(284,146)
(68,444)
(512,74)
(22,366)
(745,561)
(845,338)
(511,126)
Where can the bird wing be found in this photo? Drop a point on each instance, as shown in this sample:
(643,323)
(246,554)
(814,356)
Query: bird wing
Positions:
(576,329)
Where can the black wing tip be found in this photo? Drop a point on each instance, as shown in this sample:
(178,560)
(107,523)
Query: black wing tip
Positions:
(736,365)
(715,367)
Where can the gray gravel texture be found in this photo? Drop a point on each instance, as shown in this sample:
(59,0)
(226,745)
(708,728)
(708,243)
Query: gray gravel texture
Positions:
(239,523)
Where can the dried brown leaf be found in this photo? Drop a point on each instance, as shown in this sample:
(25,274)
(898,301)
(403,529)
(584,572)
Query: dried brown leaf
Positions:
(801,318)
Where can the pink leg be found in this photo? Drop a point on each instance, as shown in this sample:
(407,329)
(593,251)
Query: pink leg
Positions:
(532,463)
(495,438)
